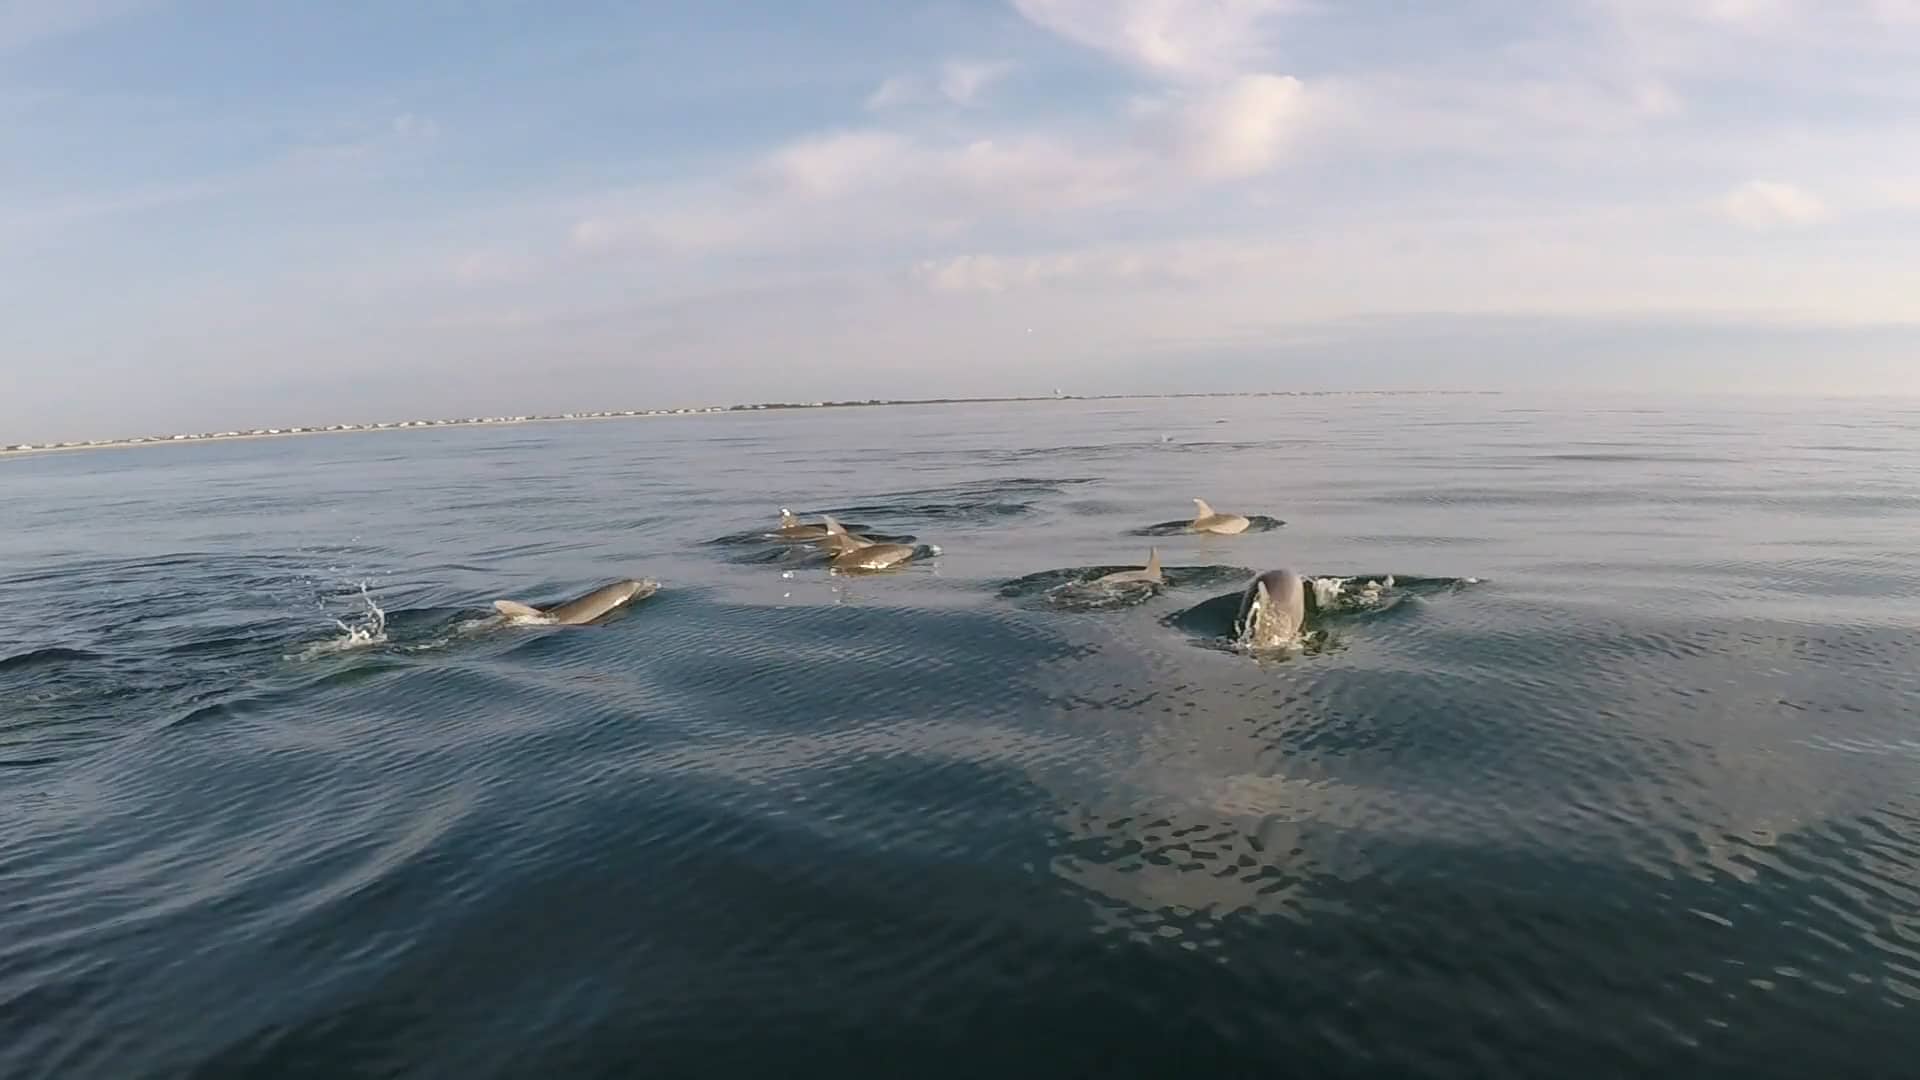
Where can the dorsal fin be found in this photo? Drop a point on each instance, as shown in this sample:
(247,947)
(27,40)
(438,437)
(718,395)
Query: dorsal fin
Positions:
(1203,510)
(839,539)
(515,610)
(1153,562)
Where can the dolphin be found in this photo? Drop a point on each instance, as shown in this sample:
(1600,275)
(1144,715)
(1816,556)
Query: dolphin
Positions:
(1150,575)
(837,539)
(872,557)
(791,528)
(581,609)
(1273,611)
(1208,521)
(859,553)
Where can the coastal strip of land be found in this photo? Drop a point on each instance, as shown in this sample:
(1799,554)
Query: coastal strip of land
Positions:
(704,410)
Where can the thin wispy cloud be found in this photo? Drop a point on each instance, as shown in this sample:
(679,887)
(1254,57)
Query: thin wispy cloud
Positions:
(31,22)
(1242,128)
(957,83)
(1182,39)
(1766,204)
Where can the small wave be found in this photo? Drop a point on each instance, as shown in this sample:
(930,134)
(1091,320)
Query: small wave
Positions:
(980,500)
(1094,596)
(52,654)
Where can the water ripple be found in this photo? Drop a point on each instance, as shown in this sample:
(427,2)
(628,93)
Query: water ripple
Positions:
(1616,779)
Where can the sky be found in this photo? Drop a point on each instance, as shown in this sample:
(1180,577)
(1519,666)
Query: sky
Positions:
(217,213)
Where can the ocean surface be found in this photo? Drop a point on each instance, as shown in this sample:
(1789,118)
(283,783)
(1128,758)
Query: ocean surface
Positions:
(1619,775)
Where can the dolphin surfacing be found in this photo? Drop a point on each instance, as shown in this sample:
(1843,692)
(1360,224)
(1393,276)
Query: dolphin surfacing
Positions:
(1273,611)
(581,610)
(1207,520)
(853,553)
(1150,574)
(792,528)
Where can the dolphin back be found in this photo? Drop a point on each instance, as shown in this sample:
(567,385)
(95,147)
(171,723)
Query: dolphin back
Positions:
(593,605)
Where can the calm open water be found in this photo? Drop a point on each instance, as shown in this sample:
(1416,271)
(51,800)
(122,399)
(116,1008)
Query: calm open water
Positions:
(1642,799)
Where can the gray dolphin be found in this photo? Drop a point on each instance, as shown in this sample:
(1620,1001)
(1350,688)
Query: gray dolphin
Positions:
(792,528)
(1273,611)
(1206,520)
(1151,574)
(581,609)
(837,538)
(859,553)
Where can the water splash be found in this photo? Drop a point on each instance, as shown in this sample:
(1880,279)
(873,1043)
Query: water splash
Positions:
(368,631)
(1349,593)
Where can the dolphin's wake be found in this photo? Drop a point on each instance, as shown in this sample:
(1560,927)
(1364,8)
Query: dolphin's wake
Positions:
(1079,589)
(429,629)
(980,501)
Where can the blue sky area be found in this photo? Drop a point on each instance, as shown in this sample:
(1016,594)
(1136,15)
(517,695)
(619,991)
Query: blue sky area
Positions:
(225,213)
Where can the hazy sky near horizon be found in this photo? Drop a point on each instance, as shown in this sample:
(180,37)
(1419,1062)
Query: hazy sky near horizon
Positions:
(216,213)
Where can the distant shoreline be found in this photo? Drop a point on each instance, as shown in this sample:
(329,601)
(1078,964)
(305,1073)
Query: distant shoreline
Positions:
(22,449)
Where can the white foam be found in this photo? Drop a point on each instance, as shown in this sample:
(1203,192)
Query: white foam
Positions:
(371,630)
(1327,590)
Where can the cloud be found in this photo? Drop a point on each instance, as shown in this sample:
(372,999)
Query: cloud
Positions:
(85,208)
(959,82)
(595,234)
(410,126)
(1016,172)
(1749,13)
(28,22)
(1242,129)
(830,165)
(668,225)
(875,182)
(1169,264)
(895,92)
(1897,194)
(1182,39)
(1761,205)
(1764,15)
(492,268)
(995,274)
(1743,15)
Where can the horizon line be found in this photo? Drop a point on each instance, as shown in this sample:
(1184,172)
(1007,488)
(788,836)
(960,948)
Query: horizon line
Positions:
(291,430)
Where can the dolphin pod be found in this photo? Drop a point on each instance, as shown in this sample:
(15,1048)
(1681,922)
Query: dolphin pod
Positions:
(1272,609)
